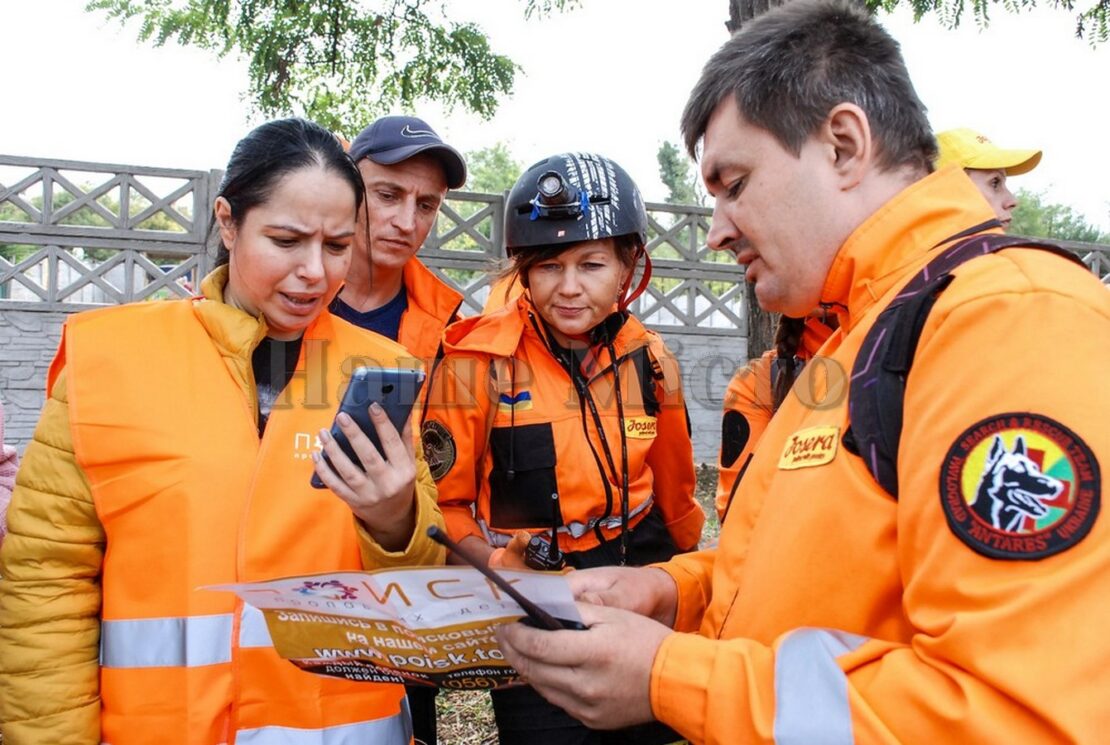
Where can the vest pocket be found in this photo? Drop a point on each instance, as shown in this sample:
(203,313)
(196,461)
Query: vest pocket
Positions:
(522,499)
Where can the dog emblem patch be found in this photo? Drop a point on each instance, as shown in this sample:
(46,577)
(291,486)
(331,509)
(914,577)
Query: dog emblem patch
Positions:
(1020,486)
(439,448)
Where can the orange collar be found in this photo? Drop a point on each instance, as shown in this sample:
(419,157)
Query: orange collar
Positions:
(427,291)
(900,234)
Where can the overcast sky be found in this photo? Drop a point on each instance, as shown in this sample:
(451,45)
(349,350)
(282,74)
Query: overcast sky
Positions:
(611,77)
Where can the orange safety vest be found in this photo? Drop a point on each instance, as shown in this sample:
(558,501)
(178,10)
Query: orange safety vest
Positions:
(190,496)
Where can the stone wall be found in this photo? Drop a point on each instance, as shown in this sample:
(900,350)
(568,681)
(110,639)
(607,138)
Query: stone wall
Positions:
(28,340)
(708,362)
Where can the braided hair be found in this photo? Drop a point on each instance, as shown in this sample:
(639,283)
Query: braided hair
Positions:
(788,338)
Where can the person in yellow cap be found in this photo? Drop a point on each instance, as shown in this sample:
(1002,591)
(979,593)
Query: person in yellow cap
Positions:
(987,165)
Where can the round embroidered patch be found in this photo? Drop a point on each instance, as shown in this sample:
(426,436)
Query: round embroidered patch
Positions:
(1020,486)
(439,448)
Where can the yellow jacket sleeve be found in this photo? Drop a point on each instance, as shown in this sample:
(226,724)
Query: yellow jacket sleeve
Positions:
(421,550)
(50,593)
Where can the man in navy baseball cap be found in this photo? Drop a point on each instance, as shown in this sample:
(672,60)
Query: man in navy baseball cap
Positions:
(407,170)
(393,139)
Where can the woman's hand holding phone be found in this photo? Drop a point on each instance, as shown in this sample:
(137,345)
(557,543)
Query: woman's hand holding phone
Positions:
(382,496)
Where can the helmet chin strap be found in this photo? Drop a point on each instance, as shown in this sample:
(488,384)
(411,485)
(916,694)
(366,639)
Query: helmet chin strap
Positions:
(626,298)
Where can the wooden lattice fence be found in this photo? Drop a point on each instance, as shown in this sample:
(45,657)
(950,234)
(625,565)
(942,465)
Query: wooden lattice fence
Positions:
(76,235)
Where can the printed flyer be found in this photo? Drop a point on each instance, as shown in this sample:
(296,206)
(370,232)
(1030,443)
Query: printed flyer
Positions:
(430,625)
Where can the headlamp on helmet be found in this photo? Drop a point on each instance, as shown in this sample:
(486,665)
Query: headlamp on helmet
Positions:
(558,199)
(571,198)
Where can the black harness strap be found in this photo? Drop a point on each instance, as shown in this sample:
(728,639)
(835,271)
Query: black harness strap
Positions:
(878,385)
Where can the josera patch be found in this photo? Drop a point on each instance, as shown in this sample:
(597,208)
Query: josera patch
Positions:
(1020,486)
(641,427)
(439,448)
(806,448)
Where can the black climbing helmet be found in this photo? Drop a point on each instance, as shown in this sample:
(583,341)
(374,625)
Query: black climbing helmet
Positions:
(570,198)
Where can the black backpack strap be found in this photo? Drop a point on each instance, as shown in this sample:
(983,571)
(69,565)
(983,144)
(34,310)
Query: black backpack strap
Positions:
(877,389)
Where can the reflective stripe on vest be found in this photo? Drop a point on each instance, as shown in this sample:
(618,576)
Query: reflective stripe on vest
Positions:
(811,691)
(179,642)
(191,641)
(387,731)
(390,730)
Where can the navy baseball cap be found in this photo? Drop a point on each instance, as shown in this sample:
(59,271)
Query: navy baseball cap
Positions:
(392,139)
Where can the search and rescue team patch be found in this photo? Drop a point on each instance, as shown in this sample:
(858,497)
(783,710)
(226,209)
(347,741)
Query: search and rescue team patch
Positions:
(439,448)
(1020,486)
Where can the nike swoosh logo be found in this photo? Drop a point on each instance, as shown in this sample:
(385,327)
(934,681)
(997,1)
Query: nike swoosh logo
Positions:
(408,131)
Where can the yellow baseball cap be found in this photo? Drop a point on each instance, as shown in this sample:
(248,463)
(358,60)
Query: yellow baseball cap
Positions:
(970,149)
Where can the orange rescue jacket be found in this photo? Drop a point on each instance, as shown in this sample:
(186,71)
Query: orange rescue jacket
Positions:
(185,505)
(831,612)
(500,402)
(432,304)
(748,407)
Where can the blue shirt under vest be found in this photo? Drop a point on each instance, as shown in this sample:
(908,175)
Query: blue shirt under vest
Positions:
(385,320)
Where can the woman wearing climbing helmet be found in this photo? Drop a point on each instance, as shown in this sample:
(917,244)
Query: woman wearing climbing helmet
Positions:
(556,428)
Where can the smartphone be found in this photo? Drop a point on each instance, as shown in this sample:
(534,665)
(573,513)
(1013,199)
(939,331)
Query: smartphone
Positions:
(395,390)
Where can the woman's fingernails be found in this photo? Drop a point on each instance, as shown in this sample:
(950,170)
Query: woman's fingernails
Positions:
(344,418)
(375,408)
(325,436)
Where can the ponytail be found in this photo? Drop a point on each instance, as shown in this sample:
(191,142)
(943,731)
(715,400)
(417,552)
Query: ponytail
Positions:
(788,338)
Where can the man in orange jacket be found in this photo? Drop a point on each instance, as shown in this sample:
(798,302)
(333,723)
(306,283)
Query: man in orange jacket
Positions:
(756,390)
(407,170)
(973,606)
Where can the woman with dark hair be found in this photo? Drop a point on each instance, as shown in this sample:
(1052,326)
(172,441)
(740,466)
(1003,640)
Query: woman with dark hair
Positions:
(175,453)
(556,426)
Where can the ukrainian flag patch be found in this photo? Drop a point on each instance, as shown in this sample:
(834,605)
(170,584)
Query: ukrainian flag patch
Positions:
(520,402)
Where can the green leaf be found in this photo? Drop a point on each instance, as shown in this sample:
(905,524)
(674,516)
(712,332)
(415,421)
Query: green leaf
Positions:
(338,62)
